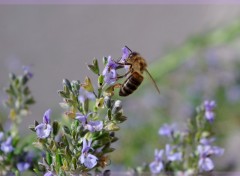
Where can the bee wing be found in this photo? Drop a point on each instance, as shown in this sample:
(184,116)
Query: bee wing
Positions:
(153,81)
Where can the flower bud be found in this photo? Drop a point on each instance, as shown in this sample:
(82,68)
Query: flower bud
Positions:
(66,82)
(63,94)
(99,102)
(75,85)
(12,76)
(55,128)
(111,127)
(107,101)
(94,67)
(66,130)
(117,107)
(100,80)
(87,85)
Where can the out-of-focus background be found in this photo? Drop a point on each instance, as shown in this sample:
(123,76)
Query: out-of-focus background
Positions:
(192,51)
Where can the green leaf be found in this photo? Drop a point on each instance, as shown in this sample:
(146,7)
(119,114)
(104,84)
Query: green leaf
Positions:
(67,83)
(105,60)
(55,128)
(66,130)
(63,94)
(32,127)
(100,80)
(48,158)
(30,101)
(94,67)
(58,159)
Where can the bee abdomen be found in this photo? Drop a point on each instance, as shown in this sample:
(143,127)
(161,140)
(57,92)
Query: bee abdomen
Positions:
(131,84)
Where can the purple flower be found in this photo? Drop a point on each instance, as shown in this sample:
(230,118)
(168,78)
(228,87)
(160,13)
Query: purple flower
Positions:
(125,55)
(205,163)
(86,158)
(22,166)
(171,155)
(157,165)
(94,126)
(209,110)
(44,129)
(6,146)
(217,151)
(91,125)
(167,130)
(109,72)
(84,94)
(206,141)
(49,173)
(205,151)
(83,118)
(27,72)
(86,145)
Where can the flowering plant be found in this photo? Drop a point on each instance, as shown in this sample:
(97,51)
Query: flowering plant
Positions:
(189,151)
(80,144)
(94,115)
(17,155)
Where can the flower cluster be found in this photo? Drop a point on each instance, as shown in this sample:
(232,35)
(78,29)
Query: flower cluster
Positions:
(109,72)
(17,155)
(82,146)
(189,151)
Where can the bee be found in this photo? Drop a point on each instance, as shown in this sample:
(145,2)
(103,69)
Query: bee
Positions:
(137,66)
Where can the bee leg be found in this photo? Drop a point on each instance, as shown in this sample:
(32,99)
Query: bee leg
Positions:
(118,85)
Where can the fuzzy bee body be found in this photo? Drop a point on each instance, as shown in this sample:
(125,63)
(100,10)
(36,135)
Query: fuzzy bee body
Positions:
(135,77)
(130,84)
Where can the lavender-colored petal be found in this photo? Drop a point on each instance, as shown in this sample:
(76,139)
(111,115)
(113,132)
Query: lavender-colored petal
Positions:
(209,115)
(22,166)
(27,71)
(206,141)
(46,116)
(86,145)
(6,146)
(200,149)
(95,126)
(43,130)
(175,156)
(205,164)
(171,156)
(82,158)
(84,94)
(156,167)
(82,118)
(110,77)
(204,150)
(49,173)
(89,128)
(90,161)
(111,64)
(167,130)
(105,70)
(125,54)
(218,151)
(209,105)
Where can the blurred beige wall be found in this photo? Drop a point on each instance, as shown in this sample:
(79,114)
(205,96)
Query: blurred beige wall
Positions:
(58,40)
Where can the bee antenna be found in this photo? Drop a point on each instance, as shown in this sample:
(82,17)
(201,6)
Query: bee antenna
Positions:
(128,48)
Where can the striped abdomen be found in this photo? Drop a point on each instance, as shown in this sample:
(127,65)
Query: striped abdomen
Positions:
(131,84)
